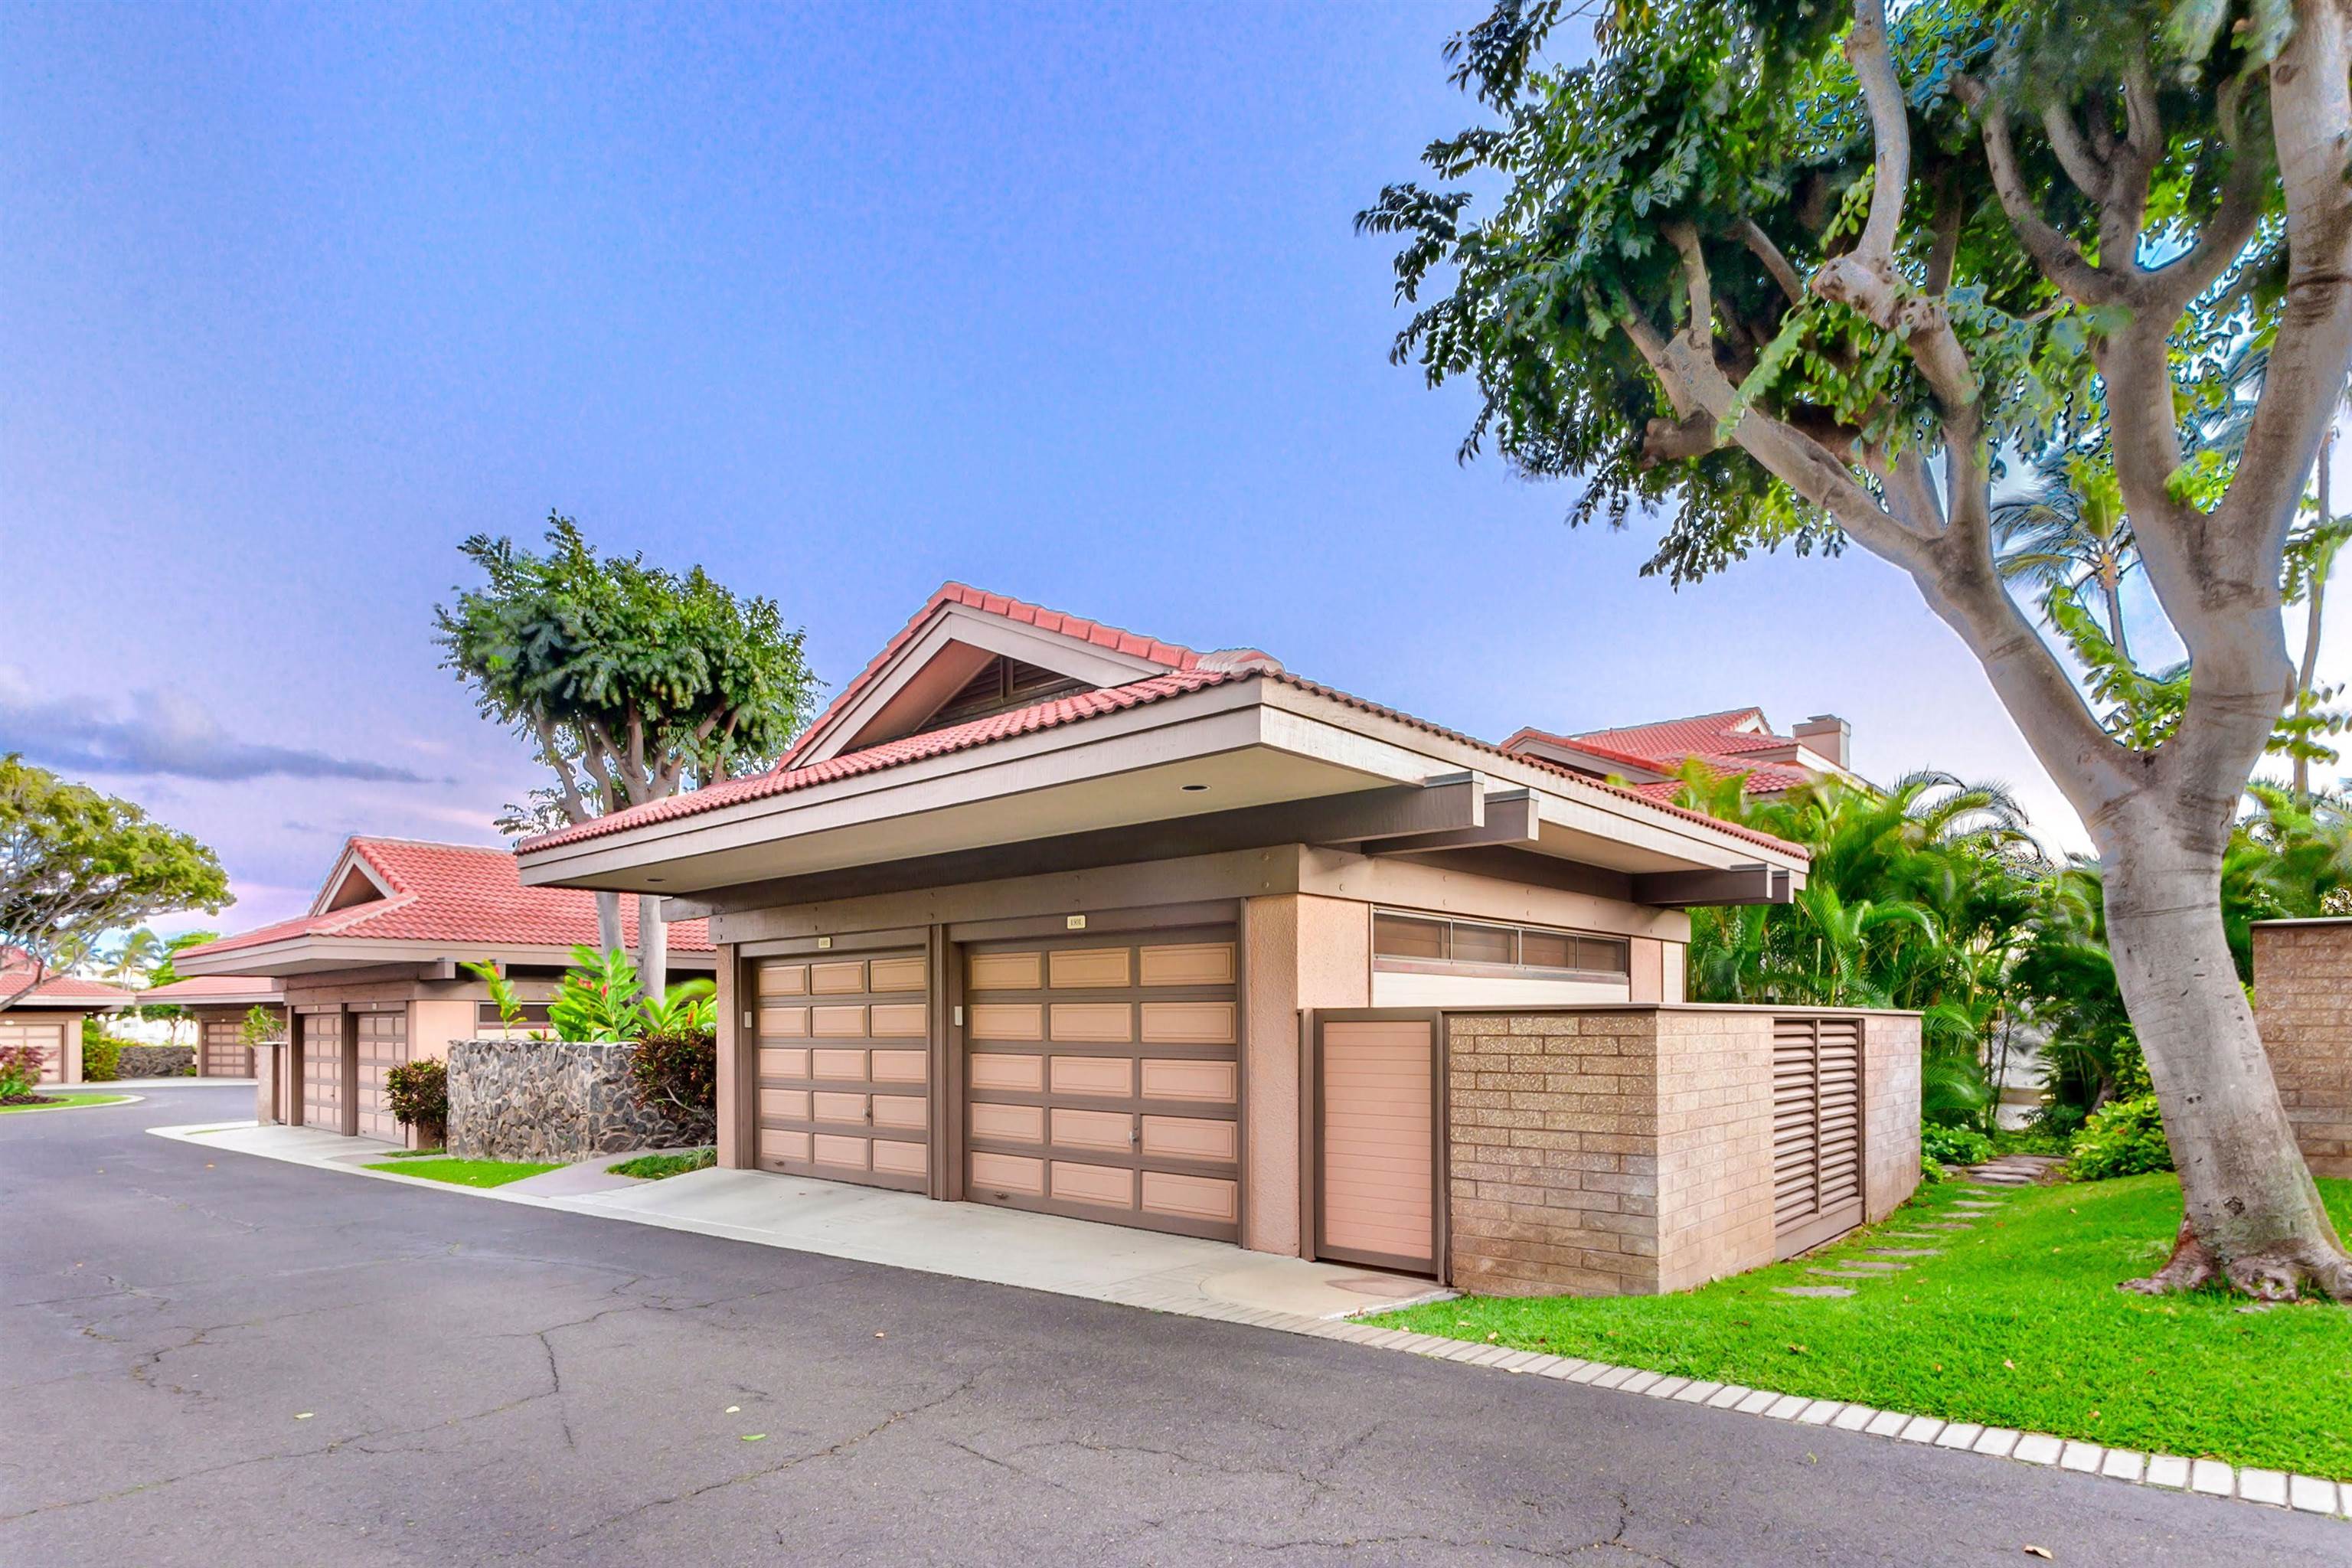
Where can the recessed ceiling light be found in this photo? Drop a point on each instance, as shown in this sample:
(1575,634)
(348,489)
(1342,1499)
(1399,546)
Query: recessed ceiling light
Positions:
(1194,789)
(657,879)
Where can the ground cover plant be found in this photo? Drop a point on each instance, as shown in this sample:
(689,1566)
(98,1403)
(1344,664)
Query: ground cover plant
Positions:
(464,1173)
(655,1167)
(2016,1324)
(57,1101)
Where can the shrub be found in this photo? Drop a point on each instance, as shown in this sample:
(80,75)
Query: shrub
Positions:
(100,1056)
(2124,1138)
(1954,1145)
(598,999)
(261,1027)
(1930,1173)
(418,1093)
(678,1068)
(20,1072)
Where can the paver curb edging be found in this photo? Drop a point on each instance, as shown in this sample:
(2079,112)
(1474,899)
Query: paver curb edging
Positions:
(2211,1478)
(101,1105)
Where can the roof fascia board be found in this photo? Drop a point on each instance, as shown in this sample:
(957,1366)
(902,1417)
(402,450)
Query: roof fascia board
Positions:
(955,622)
(293,955)
(1201,723)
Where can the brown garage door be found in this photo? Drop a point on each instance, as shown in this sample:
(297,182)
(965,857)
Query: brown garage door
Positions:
(843,1046)
(1102,1079)
(1376,1093)
(322,1071)
(1816,1131)
(47,1036)
(225,1052)
(383,1045)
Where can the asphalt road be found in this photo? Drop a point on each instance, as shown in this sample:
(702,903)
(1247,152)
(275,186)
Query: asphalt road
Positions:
(212,1359)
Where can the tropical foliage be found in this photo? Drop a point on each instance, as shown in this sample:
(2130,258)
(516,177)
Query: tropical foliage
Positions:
(418,1093)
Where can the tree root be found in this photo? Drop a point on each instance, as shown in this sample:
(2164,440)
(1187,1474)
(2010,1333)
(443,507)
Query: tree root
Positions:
(2277,1273)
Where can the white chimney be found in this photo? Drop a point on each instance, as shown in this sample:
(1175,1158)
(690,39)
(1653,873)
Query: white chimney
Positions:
(1829,735)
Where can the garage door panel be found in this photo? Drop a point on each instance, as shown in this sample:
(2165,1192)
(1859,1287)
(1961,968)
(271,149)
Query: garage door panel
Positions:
(322,1071)
(225,1052)
(818,1110)
(383,1045)
(46,1036)
(1092,1050)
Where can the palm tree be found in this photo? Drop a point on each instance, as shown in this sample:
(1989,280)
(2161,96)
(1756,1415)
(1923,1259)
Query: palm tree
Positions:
(2069,532)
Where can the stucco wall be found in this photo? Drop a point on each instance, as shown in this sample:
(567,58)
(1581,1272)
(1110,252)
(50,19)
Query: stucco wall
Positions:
(555,1100)
(2303,1001)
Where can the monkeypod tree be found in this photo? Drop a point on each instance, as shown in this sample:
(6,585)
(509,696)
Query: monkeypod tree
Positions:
(1792,273)
(76,864)
(633,684)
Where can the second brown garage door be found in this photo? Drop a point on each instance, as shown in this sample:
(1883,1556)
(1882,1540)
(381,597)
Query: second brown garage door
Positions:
(225,1052)
(1102,1079)
(322,1071)
(383,1045)
(844,1054)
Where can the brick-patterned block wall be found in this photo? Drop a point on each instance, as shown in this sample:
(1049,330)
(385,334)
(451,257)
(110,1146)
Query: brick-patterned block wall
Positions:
(1553,1140)
(1715,1144)
(2303,1001)
(1890,1112)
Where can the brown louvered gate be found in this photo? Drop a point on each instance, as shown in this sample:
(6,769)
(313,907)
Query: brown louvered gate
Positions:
(1816,1131)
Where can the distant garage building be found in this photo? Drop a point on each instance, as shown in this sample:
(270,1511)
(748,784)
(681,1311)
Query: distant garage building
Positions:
(48,1016)
(218,1005)
(374,974)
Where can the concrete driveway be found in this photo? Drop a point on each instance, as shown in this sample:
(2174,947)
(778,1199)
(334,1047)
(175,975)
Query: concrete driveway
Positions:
(215,1359)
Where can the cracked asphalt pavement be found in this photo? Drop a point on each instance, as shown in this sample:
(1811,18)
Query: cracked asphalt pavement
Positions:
(214,1359)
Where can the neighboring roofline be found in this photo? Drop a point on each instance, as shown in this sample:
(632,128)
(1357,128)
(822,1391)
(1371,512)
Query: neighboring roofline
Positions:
(1755,708)
(264,990)
(686,814)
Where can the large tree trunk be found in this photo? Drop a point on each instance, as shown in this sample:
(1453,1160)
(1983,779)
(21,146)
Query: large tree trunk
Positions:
(653,945)
(608,922)
(2251,1213)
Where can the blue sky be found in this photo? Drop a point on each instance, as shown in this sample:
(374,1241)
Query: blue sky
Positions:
(836,301)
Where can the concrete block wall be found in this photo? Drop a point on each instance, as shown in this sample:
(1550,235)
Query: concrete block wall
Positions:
(1890,1112)
(1628,1151)
(1553,1161)
(1715,1144)
(2303,1002)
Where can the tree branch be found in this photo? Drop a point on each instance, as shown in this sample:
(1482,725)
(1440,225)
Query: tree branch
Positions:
(2090,174)
(2058,257)
(1890,133)
(1761,244)
(1696,288)
(2236,216)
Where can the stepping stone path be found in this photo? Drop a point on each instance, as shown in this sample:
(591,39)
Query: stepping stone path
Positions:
(2015,1170)
(1877,1261)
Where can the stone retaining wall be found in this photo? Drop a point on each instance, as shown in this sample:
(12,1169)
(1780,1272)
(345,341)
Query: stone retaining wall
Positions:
(555,1100)
(156,1062)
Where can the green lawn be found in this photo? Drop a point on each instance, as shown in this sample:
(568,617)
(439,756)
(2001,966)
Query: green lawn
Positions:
(464,1173)
(2017,1324)
(654,1167)
(62,1101)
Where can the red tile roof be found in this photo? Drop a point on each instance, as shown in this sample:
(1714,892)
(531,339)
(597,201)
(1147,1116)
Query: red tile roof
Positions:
(458,895)
(17,968)
(1716,740)
(1171,655)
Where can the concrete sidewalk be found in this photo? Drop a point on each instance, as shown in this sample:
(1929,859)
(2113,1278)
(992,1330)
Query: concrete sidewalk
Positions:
(902,1230)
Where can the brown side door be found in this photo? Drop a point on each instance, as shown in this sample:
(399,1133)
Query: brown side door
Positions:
(1816,1131)
(1102,1078)
(383,1045)
(1377,1090)
(842,1047)
(225,1052)
(322,1071)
